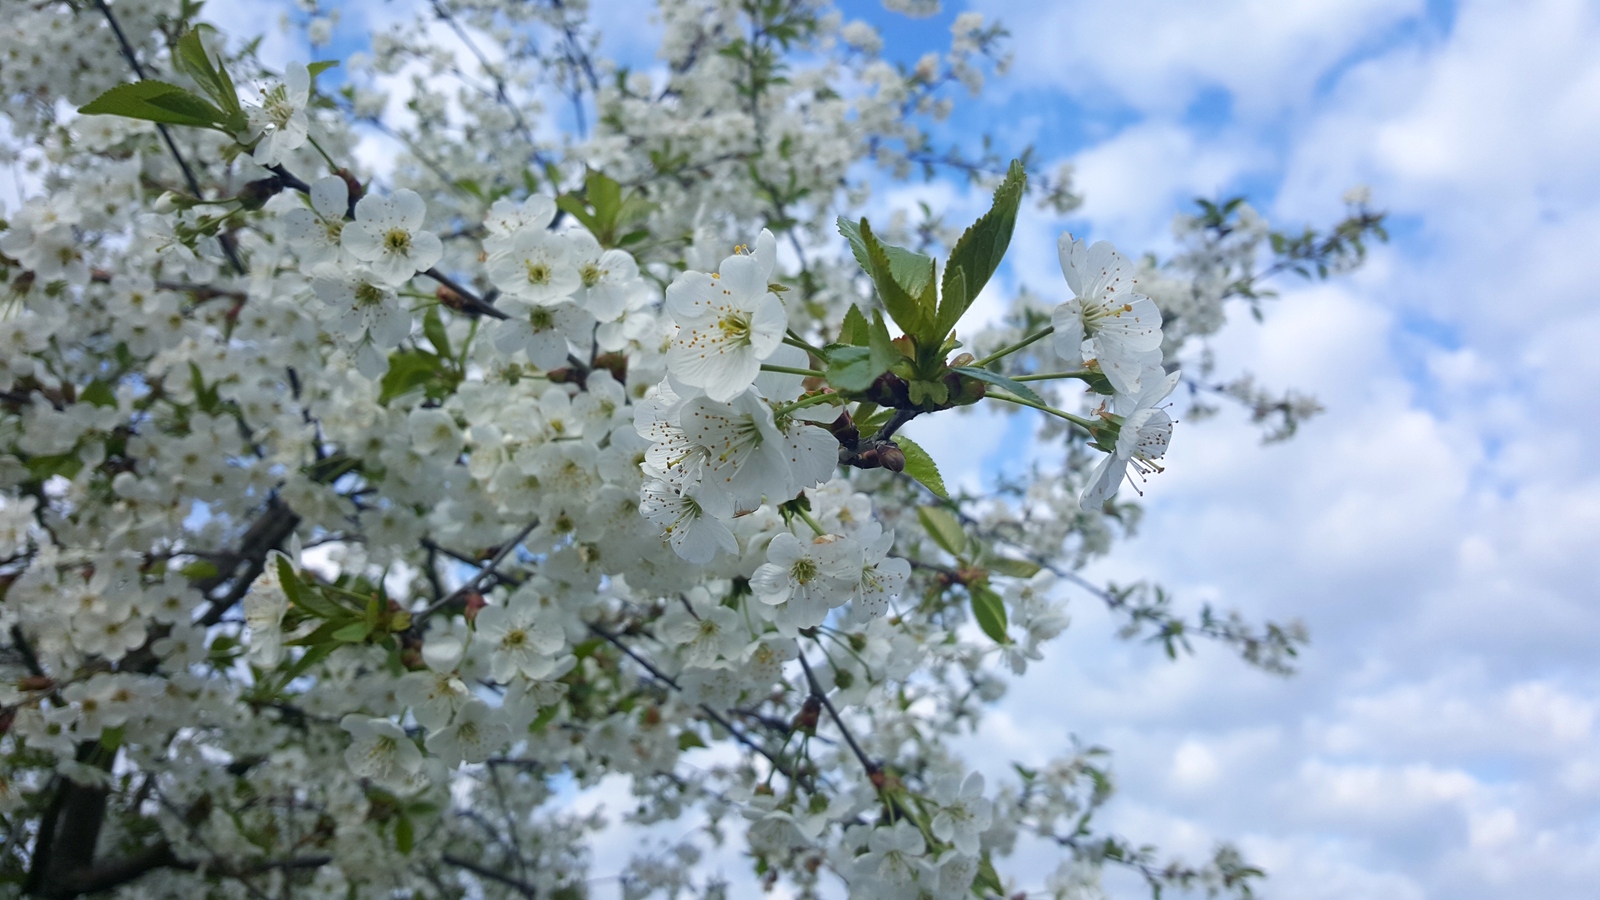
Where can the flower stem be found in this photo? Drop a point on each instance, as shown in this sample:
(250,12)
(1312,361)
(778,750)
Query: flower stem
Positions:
(789,370)
(1079,421)
(815,526)
(1085,374)
(794,340)
(333,167)
(1007,351)
(803,402)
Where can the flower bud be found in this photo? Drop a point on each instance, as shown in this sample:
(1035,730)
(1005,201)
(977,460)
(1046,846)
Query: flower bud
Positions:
(166,203)
(891,457)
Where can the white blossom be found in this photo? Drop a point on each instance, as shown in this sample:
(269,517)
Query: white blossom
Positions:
(387,235)
(1123,326)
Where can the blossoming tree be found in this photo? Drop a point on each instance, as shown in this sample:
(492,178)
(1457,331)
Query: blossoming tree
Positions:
(348,522)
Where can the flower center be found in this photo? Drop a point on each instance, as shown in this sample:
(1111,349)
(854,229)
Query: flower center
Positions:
(803,570)
(538,272)
(515,639)
(277,106)
(398,240)
(541,319)
(368,294)
(735,327)
(591,274)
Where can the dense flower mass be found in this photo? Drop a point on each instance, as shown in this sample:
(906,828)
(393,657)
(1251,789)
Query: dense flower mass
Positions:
(346,515)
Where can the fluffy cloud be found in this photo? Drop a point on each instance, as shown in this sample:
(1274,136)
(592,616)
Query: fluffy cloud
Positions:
(1437,527)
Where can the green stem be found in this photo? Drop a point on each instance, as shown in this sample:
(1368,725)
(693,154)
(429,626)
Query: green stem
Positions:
(333,167)
(815,526)
(1007,351)
(789,370)
(803,402)
(1085,374)
(1081,422)
(794,340)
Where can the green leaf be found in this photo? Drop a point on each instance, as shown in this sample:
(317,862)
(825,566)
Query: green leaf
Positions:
(408,370)
(190,56)
(42,468)
(405,836)
(320,66)
(903,305)
(433,329)
(311,657)
(977,254)
(98,393)
(688,739)
(545,717)
(953,302)
(998,380)
(155,101)
(943,527)
(199,569)
(852,368)
(354,633)
(990,611)
(920,465)
(911,270)
(1015,568)
(288,578)
(855,327)
(884,353)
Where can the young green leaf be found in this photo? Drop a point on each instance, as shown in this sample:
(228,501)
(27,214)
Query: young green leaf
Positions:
(998,380)
(852,368)
(155,101)
(920,465)
(854,328)
(977,254)
(189,54)
(320,66)
(990,611)
(904,307)
(353,633)
(405,835)
(1015,568)
(944,528)
(433,329)
(884,353)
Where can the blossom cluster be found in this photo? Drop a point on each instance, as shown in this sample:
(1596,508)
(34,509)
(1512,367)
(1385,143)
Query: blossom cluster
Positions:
(344,514)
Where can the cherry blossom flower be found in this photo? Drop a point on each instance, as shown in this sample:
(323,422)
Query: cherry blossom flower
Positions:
(536,266)
(280,120)
(1145,432)
(472,736)
(963,813)
(521,639)
(728,323)
(381,751)
(315,233)
(1123,326)
(387,235)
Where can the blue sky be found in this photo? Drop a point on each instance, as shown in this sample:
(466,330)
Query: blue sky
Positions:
(1436,528)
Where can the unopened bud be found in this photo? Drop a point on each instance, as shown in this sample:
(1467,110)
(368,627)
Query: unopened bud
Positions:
(166,203)
(352,186)
(805,721)
(965,359)
(475,602)
(891,457)
(257,193)
(450,298)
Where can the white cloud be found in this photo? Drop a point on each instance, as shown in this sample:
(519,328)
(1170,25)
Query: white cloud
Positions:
(1437,526)
(1159,55)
